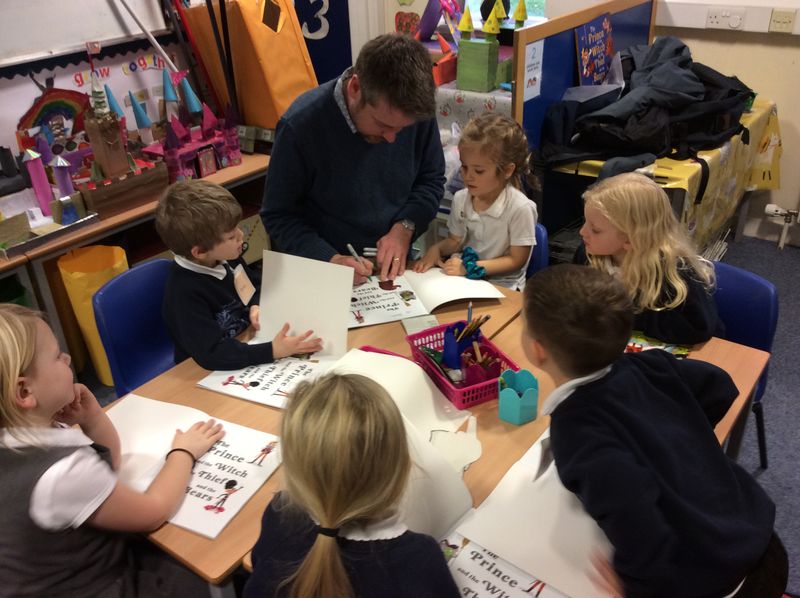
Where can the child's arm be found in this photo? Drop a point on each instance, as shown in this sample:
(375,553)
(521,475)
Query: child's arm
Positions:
(86,412)
(130,511)
(517,257)
(433,257)
(712,387)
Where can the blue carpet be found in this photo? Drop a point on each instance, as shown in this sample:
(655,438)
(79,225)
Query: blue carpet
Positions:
(781,479)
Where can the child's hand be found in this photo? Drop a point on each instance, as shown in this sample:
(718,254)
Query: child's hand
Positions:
(432,257)
(453,267)
(283,346)
(83,409)
(605,577)
(254,311)
(199,438)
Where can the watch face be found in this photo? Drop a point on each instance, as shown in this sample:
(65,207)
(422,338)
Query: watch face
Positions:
(409,224)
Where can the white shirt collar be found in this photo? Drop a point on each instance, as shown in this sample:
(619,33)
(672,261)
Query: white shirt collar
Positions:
(387,529)
(219,271)
(44,437)
(495,210)
(562,393)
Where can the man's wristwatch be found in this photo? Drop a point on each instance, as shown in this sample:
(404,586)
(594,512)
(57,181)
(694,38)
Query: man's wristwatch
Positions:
(408,224)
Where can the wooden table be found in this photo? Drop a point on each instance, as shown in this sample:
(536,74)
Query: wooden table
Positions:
(215,559)
(744,364)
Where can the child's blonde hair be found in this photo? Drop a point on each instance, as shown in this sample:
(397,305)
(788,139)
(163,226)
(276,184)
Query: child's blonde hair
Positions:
(195,213)
(346,460)
(503,140)
(17,347)
(640,209)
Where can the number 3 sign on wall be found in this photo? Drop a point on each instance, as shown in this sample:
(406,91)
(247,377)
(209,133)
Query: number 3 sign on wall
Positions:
(326,27)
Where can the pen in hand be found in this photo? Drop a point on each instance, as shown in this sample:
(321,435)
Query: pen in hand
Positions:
(359,259)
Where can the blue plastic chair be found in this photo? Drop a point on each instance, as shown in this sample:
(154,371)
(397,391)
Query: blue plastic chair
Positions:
(128,314)
(541,252)
(748,306)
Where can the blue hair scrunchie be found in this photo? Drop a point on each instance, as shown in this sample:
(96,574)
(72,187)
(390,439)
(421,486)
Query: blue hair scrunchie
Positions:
(469,257)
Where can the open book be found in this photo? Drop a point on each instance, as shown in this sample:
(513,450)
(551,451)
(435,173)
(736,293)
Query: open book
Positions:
(412,295)
(224,478)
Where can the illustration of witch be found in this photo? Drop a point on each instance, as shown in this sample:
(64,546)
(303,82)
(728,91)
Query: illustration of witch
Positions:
(262,454)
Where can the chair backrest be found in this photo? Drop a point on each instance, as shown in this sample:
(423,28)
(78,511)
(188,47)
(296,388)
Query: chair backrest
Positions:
(128,314)
(748,306)
(541,252)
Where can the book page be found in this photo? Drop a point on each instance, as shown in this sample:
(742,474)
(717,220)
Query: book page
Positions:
(377,302)
(435,288)
(309,295)
(411,388)
(224,478)
(540,527)
(268,384)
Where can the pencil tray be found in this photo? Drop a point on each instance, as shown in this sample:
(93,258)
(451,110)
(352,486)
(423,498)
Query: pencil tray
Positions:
(462,397)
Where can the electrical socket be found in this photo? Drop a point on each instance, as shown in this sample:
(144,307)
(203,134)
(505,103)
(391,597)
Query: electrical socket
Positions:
(725,17)
(782,20)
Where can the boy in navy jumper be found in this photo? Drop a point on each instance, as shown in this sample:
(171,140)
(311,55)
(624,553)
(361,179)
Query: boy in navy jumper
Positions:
(632,436)
(211,296)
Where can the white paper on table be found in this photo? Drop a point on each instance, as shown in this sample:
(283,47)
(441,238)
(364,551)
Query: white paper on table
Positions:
(460,449)
(309,295)
(416,395)
(268,384)
(437,496)
(370,304)
(249,457)
(539,526)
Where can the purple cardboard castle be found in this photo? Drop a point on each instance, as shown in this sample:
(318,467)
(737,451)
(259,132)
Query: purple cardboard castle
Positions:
(191,153)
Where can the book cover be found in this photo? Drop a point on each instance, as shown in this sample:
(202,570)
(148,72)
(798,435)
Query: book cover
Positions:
(595,48)
(224,478)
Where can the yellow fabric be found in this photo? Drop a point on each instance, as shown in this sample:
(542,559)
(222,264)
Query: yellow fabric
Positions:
(271,69)
(84,271)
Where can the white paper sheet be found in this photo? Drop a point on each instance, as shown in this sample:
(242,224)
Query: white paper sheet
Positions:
(309,295)
(436,497)
(411,388)
(244,459)
(539,526)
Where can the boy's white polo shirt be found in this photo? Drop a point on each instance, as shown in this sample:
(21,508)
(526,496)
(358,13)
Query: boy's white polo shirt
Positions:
(510,220)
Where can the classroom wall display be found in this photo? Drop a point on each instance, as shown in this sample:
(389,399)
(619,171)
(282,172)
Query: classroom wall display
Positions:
(140,72)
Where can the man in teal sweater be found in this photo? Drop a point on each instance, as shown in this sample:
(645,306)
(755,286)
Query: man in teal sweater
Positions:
(358,160)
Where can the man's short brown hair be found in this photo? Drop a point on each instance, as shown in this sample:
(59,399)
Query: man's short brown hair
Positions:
(580,315)
(195,213)
(397,69)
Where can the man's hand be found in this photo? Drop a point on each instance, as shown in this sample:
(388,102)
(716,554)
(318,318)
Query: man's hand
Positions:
(392,251)
(363,267)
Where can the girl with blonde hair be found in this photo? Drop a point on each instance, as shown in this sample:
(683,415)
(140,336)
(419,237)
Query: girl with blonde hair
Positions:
(631,231)
(62,501)
(492,223)
(335,530)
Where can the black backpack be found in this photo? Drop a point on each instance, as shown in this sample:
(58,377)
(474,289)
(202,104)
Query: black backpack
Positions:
(676,127)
